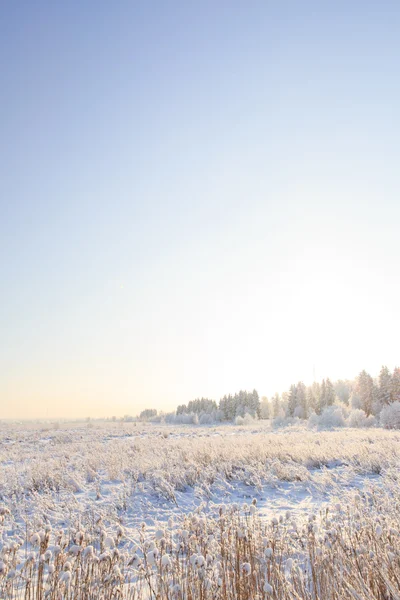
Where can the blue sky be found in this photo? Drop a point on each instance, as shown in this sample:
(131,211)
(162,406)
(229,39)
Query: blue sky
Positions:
(194,199)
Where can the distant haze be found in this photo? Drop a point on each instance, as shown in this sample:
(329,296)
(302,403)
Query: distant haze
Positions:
(195,199)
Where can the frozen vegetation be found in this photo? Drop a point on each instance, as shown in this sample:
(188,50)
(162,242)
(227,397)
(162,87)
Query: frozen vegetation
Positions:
(362,402)
(126,510)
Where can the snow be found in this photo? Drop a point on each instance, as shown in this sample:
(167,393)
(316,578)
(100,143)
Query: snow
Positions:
(121,477)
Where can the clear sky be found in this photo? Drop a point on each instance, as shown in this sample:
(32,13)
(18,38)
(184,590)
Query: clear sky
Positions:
(195,198)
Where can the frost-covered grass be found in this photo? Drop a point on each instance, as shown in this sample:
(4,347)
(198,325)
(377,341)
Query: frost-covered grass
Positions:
(349,551)
(170,460)
(66,489)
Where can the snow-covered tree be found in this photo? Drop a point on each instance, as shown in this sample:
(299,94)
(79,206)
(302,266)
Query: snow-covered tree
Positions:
(147,414)
(276,405)
(385,386)
(311,401)
(358,418)
(390,416)
(284,404)
(330,395)
(227,407)
(265,408)
(198,406)
(254,403)
(343,390)
(301,400)
(365,391)
(240,404)
(292,402)
(355,400)
(322,400)
(395,387)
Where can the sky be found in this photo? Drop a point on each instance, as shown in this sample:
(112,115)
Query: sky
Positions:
(195,198)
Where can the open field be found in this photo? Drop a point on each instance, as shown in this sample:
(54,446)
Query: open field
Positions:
(115,510)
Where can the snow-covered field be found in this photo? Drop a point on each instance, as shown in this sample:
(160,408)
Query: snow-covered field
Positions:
(129,474)
(125,483)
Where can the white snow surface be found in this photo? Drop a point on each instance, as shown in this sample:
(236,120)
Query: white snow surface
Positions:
(122,475)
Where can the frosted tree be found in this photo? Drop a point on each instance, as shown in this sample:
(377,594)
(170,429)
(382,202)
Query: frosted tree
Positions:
(314,395)
(322,398)
(327,395)
(284,404)
(301,400)
(292,400)
(254,401)
(395,386)
(343,390)
(265,408)
(355,400)
(201,405)
(311,400)
(365,391)
(276,405)
(147,414)
(385,386)
(240,404)
(330,395)
(227,408)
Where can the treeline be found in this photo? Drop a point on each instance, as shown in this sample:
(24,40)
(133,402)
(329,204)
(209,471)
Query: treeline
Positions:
(205,410)
(198,406)
(363,400)
(239,405)
(148,414)
(229,407)
(363,393)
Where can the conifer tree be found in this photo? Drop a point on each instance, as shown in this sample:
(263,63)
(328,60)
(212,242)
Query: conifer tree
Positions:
(385,386)
(311,400)
(276,405)
(330,395)
(301,400)
(395,387)
(365,390)
(322,398)
(292,400)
